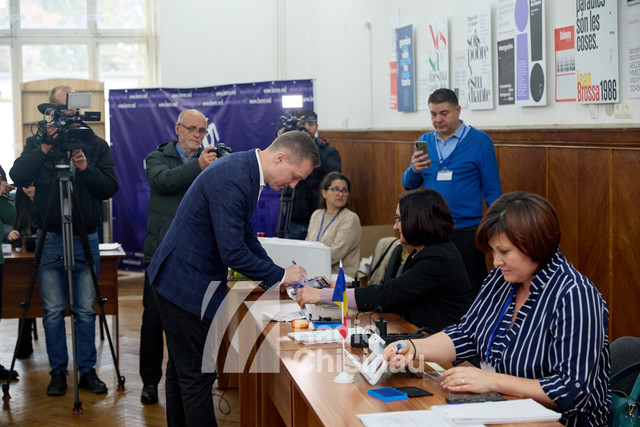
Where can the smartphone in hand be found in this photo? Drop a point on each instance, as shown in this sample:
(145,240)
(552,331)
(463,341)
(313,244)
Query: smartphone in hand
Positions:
(422,146)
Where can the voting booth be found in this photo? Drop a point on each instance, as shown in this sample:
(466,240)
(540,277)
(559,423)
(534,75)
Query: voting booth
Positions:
(315,257)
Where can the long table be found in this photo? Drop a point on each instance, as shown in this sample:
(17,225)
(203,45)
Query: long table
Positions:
(18,268)
(286,383)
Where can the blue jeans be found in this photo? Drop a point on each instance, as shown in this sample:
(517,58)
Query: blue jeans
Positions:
(54,288)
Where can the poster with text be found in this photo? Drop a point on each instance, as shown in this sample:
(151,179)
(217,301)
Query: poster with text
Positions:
(438,54)
(506,74)
(596,34)
(633,53)
(505,16)
(459,75)
(394,22)
(406,69)
(480,78)
(530,53)
(393,96)
(564,43)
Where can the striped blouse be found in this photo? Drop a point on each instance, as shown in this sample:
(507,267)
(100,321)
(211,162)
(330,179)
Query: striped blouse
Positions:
(559,337)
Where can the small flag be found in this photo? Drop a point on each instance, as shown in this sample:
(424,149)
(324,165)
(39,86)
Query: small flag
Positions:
(340,298)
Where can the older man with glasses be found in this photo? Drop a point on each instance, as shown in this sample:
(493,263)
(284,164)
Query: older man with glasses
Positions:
(170,170)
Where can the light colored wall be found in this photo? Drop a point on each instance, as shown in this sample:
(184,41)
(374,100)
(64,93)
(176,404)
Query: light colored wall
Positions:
(344,45)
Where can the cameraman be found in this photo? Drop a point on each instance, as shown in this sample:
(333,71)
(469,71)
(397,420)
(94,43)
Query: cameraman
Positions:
(307,192)
(94,180)
(170,171)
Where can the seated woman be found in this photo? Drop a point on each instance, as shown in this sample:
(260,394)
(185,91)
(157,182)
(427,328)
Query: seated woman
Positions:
(433,289)
(335,225)
(539,325)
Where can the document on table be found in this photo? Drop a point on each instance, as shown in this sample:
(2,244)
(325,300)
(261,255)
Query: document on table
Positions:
(404,418)
(109,246)
(510,411)
(277,310)
(466,414)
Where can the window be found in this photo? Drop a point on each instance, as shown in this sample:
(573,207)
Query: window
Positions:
(106,40)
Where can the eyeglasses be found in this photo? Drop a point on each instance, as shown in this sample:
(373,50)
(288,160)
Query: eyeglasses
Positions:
(336,190)
(396,219)
(201,131)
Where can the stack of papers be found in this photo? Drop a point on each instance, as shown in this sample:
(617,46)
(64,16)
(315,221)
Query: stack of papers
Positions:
(466,414)
(510,411)
(285,317)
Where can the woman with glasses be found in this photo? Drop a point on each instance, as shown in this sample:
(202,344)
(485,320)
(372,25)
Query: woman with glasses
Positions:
(538,324)
(433,289)
(335,225)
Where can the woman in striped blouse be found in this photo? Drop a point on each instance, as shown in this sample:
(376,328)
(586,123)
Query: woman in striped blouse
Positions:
(538,325)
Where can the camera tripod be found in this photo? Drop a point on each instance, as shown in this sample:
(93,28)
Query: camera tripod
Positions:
(68,200)
(284,211)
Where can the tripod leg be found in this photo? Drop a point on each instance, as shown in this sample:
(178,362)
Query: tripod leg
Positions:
(68,256)
(27,303)
(94,278)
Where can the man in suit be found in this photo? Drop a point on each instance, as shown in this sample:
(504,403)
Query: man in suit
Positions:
(170,171)
(210,233)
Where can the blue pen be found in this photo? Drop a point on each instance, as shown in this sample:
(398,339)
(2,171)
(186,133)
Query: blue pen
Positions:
(399,347)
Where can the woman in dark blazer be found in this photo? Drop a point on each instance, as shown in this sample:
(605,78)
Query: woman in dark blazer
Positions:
(433,289)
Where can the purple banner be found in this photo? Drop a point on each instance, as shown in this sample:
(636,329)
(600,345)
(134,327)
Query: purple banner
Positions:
(242,116)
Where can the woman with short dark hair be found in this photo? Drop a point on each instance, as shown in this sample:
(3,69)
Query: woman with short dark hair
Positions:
(433,289)
(539,326)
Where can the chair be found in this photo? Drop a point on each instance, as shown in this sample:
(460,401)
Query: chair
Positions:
(381,256)
(625,351)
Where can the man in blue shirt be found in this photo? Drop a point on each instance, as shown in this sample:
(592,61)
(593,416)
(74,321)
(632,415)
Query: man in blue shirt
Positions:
(461,165)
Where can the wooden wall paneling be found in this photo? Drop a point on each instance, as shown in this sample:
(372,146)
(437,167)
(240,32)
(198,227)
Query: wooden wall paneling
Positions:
(593,217)
(522,168)
(625,270)
(563,194)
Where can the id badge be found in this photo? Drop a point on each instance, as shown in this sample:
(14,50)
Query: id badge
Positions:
(486,367)
(445,175)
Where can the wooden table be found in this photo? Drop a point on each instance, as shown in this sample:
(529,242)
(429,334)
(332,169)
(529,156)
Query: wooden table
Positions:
(290,384)
(18,268)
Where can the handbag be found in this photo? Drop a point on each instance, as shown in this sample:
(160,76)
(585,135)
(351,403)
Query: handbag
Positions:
(625,409)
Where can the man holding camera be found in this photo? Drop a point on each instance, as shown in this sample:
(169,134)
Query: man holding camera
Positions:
(307,193)
(170,171)
(94,180)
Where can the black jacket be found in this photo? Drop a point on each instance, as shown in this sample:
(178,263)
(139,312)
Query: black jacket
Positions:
(93,185)
(169,179)
(307,192)
(432,291)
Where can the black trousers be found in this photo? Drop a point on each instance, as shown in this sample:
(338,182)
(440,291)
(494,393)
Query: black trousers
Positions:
(188,390)
(151,337)
(473,258)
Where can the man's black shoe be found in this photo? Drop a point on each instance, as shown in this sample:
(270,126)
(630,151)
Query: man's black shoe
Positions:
(4,374)
(149,394)
(58,384)
(90,382)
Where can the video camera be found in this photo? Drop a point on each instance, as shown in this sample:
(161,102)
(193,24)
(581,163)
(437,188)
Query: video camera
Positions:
(71,133)
(290,122)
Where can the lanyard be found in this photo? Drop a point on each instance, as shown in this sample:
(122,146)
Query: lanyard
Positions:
(464,133)
(330,222)
(502,313)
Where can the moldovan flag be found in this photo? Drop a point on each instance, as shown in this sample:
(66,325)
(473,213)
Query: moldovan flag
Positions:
(340,298)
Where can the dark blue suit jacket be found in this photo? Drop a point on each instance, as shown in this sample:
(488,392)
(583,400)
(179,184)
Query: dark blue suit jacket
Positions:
(210,232)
